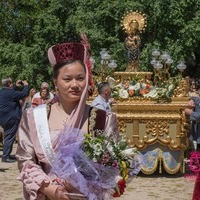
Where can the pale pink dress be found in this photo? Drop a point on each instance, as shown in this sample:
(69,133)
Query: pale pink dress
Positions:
(33,165)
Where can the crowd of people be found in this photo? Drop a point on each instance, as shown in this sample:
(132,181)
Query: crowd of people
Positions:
(40,118)
(15,98)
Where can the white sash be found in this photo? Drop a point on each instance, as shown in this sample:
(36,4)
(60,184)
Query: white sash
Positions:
(42,127)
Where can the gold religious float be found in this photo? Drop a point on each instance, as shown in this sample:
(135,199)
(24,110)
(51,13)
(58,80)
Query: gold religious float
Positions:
(156,126)
(151,113)
(150,105)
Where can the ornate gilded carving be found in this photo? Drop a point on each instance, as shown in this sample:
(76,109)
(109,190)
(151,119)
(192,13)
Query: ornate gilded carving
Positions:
(92,123)
(157,128)
(183,88)
(128,76)
(122,126)
(149,122)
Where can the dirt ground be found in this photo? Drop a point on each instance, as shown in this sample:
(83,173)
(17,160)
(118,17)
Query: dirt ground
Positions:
(143,187)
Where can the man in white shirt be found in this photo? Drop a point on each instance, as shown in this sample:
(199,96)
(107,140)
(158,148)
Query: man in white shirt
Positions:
(102,100)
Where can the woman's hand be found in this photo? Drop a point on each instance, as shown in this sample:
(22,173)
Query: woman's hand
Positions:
(60,193)
(69,187)
(55,192)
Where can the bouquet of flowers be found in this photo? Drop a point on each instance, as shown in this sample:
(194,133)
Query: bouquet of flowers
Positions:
(94,165)
(108,152)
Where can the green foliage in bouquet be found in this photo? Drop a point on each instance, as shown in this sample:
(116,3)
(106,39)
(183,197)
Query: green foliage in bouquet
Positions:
(108,152)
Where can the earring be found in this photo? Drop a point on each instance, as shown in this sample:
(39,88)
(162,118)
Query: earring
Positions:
(56,90)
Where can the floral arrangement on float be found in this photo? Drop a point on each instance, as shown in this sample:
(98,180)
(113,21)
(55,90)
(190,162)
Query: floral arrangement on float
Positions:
(98,167)
(136,89)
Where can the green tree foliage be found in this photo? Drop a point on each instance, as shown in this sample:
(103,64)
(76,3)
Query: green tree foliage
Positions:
(29,27)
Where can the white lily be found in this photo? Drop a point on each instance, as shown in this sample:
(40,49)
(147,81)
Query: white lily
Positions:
(129,152)
(152,93)
(137,86)
(123,93)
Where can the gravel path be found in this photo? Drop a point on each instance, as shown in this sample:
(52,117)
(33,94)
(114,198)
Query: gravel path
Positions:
(143,187)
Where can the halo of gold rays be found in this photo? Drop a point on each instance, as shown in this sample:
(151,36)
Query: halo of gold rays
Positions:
(133,15)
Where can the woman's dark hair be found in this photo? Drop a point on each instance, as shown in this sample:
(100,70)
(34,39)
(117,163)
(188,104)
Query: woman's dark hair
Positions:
(58,66)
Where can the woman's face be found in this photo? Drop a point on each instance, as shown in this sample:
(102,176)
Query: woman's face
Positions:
(43,94)
(71,82)
(33,92)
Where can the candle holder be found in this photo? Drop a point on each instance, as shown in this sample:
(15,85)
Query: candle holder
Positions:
(162,64)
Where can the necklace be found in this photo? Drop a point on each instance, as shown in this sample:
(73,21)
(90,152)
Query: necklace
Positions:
(65,121)
(63,114)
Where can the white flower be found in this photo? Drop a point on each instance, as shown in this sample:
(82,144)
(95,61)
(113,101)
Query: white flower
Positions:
(110,149)
(170,87)
(111,81)
(123,93)
(118,85)
(97,149)
(128,152)
(152,93)
(143,85)
(131,87)
(118,178)
(137,86)
(94,160)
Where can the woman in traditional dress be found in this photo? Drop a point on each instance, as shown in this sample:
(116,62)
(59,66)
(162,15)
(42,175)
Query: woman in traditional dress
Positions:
(40,127)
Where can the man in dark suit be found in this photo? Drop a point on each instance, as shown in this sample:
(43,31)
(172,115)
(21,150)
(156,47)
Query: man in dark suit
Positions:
(10,113)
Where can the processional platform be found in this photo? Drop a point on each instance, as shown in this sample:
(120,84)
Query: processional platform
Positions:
(159,130)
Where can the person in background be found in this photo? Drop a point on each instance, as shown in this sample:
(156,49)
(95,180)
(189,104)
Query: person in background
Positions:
(10,113)
(196,192)
(1,136)
(40,127)
(193,89)
(103,100)
(193,110)
(44,98)
(27,101)
(44,85)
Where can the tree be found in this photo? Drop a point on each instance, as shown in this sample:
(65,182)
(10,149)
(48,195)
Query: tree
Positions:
(29,28)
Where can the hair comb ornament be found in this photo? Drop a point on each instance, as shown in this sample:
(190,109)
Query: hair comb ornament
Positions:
(66,51)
